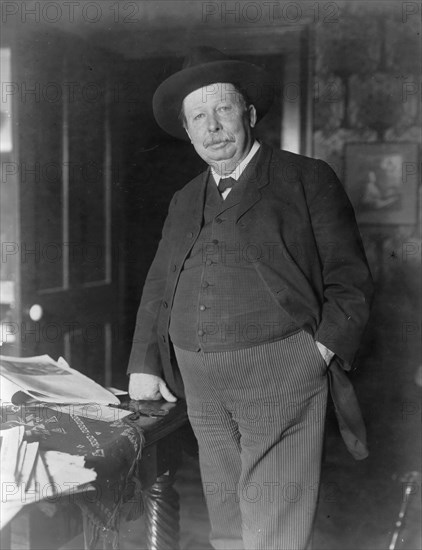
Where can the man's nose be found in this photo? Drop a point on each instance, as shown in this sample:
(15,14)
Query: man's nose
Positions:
(213,123)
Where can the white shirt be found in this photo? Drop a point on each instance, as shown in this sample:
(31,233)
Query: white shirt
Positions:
(237,172)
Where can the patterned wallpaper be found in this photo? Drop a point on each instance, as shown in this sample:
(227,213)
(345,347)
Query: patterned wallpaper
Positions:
(367,90)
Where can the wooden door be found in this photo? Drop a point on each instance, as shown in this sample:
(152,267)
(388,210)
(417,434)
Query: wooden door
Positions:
(67,269)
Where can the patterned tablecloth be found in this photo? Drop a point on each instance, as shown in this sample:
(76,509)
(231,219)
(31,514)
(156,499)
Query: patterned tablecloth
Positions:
(112,448)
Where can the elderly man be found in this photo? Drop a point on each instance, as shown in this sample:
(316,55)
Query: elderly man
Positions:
(258,291)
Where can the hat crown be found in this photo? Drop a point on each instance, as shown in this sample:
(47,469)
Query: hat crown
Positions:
(205,65)
(203,54)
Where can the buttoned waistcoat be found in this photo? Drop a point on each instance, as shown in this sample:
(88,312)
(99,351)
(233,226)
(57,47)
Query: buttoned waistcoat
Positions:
(296,211)
(221,303)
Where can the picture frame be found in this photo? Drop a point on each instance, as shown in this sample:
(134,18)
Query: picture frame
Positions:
(382,182)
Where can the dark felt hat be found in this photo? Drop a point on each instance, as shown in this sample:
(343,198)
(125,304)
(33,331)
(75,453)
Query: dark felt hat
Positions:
(204,66)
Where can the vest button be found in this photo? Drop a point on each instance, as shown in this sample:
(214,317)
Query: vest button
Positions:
(218,220)
(202,307)
(174,267)
(190,234)
(165,305)
(215,241)
(201,332)
(209,262)
(164,338)
(205,284)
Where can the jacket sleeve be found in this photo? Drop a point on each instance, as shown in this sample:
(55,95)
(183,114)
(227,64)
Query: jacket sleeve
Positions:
(346,277)
(145,356)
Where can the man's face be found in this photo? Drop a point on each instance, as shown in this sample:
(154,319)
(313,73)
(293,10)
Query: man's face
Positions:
(219,125)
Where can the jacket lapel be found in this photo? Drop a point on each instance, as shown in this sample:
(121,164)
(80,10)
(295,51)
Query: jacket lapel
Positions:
(194,212)
(257,176)
(195,206)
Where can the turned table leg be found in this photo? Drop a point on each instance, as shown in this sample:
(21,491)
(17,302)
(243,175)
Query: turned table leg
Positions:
(162,514)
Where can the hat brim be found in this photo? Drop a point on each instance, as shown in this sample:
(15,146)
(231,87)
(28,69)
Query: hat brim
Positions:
(168,98)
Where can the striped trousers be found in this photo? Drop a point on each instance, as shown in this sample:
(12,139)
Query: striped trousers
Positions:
(258,415)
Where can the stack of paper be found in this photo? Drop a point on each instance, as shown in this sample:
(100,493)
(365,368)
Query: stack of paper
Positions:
(50,381)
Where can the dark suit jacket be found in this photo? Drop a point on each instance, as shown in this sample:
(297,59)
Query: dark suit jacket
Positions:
(298,209)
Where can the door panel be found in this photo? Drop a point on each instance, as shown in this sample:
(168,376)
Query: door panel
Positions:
(66,208)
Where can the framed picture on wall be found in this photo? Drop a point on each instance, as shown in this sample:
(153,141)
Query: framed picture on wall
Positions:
(382,181)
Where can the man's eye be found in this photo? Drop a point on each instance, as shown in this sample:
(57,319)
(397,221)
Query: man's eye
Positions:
(224,108)
(198,116)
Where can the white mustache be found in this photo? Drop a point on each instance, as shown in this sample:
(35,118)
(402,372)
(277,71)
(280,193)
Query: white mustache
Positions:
(214,140)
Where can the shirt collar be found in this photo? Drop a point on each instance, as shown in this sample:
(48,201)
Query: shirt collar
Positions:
(237,172)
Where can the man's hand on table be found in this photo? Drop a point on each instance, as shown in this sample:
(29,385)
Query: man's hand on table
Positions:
(149,387)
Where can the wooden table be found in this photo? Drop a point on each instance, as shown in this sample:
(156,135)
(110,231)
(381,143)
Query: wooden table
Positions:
(159,463)
(160,458)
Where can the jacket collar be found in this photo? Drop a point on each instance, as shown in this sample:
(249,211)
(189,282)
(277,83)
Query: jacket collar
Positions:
(256,175)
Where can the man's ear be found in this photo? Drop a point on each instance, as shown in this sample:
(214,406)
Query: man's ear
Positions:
(252,115)
(186,130)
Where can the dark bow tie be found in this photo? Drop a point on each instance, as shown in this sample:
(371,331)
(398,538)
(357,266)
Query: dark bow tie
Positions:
(225,183)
